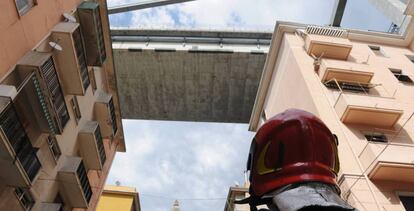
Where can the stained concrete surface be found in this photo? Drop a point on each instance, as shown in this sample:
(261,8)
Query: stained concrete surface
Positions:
(187,86)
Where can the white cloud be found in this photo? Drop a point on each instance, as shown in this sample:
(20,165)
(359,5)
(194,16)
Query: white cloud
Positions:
(248,14)
(181,160)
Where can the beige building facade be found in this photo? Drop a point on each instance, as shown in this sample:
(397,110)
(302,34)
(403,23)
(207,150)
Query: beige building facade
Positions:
(361,84)
(60,123)
(236,193)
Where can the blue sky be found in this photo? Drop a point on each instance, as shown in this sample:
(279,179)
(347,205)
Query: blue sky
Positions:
(197,162)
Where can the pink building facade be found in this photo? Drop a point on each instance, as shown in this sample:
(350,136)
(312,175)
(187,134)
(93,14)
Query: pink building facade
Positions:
(60,119)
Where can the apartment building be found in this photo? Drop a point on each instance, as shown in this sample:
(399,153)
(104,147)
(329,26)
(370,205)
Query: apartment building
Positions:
(361,84)
(119,198)
(236,193)
(60,123)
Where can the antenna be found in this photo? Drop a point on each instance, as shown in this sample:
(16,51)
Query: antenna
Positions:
(55,46)
(69,18)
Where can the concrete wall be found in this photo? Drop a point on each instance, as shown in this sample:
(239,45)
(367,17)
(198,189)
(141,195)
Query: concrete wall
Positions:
(188,86)
(296,84)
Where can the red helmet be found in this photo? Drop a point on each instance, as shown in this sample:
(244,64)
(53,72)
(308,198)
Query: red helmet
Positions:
(292,147)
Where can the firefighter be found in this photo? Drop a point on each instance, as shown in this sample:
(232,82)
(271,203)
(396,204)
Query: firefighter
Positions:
(293,164)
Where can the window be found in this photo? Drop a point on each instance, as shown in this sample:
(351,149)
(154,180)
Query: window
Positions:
(376,137)
(100,144)
(400,76)
(24,6)
(50,76)
(25,198)
(410,57)
(75,108)
(54,147)
(20,142)
(408,202)
(263,116)
(377,50)
(113,116)
(84,181)
(347,86)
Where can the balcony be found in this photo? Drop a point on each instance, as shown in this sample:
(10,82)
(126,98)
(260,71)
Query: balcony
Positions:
(29,104)
(104,112)
(395,163)
(330,47)
(47,86)
(18,160)
(75,183)
(92,148)
(368,110)
(91,25)
(345,71)
(73,70)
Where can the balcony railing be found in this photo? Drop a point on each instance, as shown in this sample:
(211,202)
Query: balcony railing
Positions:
(368,110)
(345,71)
(15,143)
(92,147)
(328,46)
(84,182)
(99,143)
(388,161)
(113,116)
(75,183)
(105,115)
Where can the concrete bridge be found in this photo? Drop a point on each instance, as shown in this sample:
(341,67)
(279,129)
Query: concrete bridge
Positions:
(186,75)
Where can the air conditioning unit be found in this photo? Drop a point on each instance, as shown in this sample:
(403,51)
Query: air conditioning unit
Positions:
(47,87)
(104,112)
(91,145)
(73,70)
(91,25)
(74,182)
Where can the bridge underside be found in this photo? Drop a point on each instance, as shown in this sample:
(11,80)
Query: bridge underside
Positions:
(159,81)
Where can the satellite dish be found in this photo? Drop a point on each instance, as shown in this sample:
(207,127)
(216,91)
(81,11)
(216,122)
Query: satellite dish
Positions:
(55,46)
(69,18)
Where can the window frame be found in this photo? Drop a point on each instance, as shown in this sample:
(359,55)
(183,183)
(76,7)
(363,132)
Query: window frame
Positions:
(377,50)
(404,194)
(75,109)
(398,73)
(20,194)
(410,57)
(52,142)
(26,8)
(373,136)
